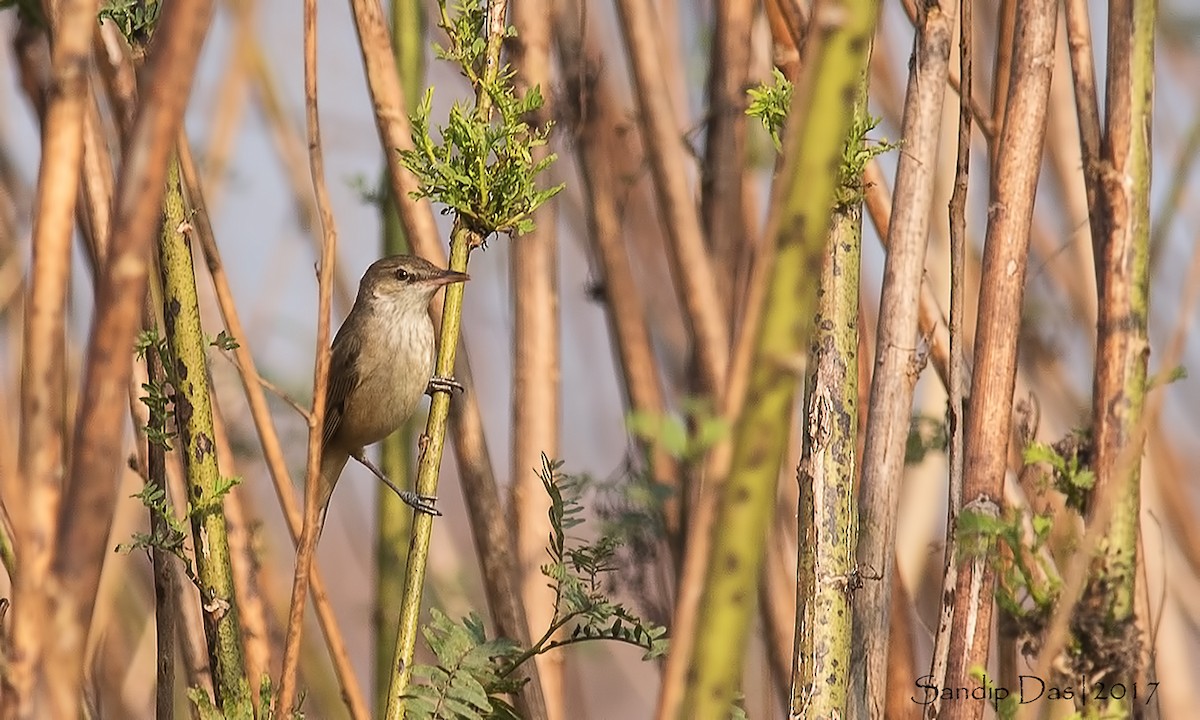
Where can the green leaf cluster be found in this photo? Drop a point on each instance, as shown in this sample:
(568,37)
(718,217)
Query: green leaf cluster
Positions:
(156,399)
(1069,462)
(859,151)
(577,570)
(468,675)
(173,536)
(159,400)
(472,672)
(769,103)
(685,438)
(482,168)
(1027,584)
(136,19)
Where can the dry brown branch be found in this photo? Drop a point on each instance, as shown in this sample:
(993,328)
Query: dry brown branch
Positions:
(1004,268)
(931,321)
(788,21)
(723,171)
(895,356)
(166,594)
(536,393)
(1079,40)
(1006,18)
(96,457)
(691,267)
(41,451)
(955,383)
(983,117)
(307,546)
(597,133)
(395,131)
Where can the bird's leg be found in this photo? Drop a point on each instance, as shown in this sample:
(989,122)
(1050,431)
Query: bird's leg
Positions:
(437,383)
(421,503)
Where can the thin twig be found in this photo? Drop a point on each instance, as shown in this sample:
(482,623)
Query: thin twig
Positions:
(954,431)
(308,538)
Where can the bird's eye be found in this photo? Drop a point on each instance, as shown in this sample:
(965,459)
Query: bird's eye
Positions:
(403,275)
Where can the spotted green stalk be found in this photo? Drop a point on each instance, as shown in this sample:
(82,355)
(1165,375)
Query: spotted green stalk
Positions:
(828,513)
(188,374)
(820,120)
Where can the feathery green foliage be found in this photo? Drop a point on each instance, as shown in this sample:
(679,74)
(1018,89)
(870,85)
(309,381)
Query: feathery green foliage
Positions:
(482,169)
(472,671)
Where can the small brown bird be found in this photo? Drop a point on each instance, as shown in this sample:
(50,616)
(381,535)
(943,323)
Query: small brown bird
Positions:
(382,362)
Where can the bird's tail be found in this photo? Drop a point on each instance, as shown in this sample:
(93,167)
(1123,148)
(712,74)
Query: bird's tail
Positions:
(332,463)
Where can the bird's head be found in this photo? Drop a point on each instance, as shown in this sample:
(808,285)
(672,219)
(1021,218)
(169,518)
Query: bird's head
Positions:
(405,282)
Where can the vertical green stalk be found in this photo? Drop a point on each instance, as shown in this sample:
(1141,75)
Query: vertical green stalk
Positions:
(1122,341)
(188,374)
(462,241)
(828,513)
(392,515)
(818,125)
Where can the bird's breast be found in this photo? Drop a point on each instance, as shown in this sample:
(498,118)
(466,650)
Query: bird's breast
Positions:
(392,379)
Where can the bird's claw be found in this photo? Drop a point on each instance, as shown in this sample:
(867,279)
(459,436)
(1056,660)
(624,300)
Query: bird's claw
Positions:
(438,383)
(421,503)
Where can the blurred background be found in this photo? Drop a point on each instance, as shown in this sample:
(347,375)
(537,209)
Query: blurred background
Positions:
(245,117)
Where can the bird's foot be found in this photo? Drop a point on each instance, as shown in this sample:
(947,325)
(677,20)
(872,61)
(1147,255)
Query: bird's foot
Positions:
(437,383)
(421,503)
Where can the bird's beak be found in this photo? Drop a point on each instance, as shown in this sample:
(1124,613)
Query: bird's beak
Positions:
(450,276)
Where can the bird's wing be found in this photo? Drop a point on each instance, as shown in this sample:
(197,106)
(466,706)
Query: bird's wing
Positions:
(343,378)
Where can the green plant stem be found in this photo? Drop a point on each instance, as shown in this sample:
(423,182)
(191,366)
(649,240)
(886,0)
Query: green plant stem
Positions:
(193,412)
(1122,347)
(835,61)
(393,526)
(434,441)
(166,613)
(828,513)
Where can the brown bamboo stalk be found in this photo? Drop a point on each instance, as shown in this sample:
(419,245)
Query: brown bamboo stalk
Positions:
(96,458)
(1006,18)
(596,135)
(188,626)
(724,169)
(166,594)
(691,267)
(1079,40)
(894,377)
(536,376)
(983,116)
(41,451)
(998,328)
(308,538)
